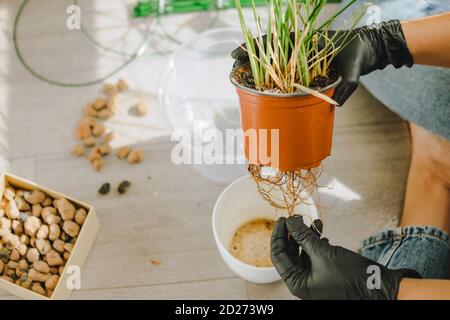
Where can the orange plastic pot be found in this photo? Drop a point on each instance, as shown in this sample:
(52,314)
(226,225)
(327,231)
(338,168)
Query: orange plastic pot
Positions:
(304,123)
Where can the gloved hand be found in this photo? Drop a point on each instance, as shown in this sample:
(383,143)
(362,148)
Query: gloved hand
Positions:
(369,48)
(323,271)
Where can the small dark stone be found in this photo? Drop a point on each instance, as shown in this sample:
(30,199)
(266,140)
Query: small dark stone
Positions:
(104,189)
(4,255)
(23,277)
(123,186)
(64,237)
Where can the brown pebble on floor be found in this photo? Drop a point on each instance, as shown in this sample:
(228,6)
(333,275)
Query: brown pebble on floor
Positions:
(91,130)
(154,262)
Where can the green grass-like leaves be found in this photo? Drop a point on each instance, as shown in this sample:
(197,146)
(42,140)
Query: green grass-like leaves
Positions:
(297,49)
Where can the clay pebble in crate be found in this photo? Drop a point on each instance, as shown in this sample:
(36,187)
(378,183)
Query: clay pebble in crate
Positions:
(42,234)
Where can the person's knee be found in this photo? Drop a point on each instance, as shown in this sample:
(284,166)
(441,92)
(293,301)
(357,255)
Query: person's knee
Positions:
(431,154)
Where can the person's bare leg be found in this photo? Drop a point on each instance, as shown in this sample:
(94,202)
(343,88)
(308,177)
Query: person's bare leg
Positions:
(427,200)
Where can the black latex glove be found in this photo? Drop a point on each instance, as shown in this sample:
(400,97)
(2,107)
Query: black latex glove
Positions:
(323,271)
(370,48)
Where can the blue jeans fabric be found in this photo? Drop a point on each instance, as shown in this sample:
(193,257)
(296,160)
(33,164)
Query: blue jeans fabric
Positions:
(425,249)
(420,94)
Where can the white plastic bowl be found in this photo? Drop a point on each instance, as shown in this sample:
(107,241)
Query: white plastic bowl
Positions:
(238,204)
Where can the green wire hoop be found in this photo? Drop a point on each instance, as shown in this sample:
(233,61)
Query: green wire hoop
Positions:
(61,83)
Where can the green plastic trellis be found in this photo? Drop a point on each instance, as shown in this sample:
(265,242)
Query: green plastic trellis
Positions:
(146,7)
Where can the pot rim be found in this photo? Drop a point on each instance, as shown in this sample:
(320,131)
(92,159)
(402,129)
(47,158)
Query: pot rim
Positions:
(279,95)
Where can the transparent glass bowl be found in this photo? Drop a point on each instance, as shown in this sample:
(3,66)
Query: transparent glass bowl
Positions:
(199,100)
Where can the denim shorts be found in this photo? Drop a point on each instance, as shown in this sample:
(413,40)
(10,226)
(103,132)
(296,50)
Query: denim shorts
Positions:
(424,249)
(419,94)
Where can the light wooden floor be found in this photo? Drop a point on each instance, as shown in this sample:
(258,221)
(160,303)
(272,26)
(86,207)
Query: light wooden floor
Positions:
(167,212)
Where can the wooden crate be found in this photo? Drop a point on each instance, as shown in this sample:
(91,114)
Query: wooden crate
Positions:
(83,244)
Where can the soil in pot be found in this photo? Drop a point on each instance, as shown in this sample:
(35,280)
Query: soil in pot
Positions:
(251,242)
(244,77)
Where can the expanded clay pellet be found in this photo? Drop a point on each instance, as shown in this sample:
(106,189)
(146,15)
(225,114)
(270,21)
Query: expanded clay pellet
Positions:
(91,131)
(35,247)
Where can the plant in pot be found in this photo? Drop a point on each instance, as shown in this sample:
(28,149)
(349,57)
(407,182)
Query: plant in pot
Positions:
(287,86)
